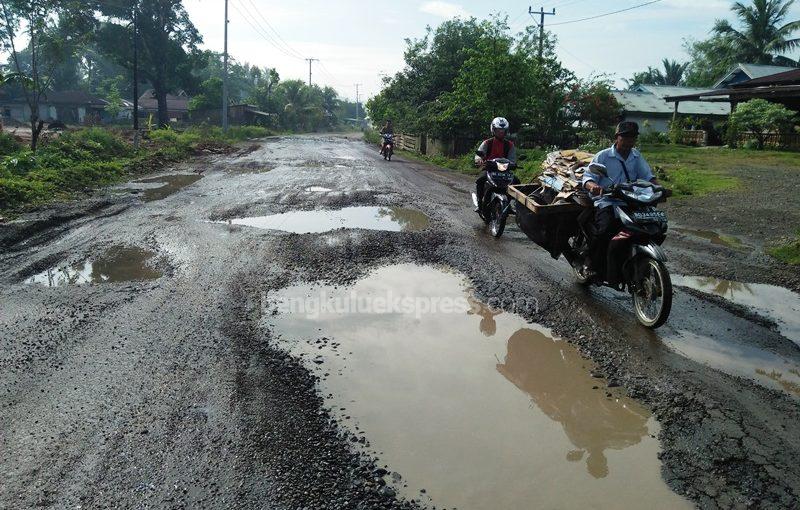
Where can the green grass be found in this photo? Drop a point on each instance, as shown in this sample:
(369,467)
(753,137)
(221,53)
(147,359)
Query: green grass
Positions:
(693,171)
(93,157)
(788,253)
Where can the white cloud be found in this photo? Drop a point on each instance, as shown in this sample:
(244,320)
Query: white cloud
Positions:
(444,9)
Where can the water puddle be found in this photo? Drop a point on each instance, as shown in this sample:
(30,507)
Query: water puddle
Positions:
(171,184)
(318,189)
(739,359)
(118,264)
(714,237)
(477,407)
(392,219)
(781,305)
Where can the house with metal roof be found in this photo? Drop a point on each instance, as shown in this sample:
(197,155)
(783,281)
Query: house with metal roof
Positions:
(645,105)
(746,72)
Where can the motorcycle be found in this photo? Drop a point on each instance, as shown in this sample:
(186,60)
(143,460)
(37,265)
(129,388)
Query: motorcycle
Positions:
(388,147)
(495,205)
(634,260)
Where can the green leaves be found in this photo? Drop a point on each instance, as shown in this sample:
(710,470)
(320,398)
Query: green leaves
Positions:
(759,117)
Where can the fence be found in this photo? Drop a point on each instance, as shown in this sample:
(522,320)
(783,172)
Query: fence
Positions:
(774,140)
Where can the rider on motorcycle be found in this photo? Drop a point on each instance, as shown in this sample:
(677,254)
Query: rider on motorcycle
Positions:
(623,163)
(493,148)
(387,129)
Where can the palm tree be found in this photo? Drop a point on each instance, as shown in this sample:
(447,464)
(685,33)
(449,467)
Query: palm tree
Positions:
(673,72)
(764,35)
(672,75)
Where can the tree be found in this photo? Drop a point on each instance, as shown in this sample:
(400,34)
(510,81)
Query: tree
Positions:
(51,27)
(709,60)
(210,97)
(760,117)
(168,51)
(763,35)
(672,75)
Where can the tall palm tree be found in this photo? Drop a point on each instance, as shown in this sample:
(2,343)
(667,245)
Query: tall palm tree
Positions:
(673,72)
(764,32)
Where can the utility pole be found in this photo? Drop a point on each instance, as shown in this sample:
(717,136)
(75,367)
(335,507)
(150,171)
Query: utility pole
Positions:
(136,70)
(310,61)
(542,14)
(358,114)
(225,76)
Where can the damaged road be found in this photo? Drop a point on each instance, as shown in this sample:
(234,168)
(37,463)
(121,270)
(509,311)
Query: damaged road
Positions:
(149,358)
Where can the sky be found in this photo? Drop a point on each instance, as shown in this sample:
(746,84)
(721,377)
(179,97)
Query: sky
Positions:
(357,42)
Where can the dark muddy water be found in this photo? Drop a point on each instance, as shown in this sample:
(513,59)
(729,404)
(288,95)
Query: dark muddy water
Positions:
(118,264)
(171,185)
(477,407)
(714,237)
(777,303)
(393,219)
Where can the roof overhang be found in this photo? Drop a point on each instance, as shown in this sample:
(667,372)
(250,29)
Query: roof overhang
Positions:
(731,94)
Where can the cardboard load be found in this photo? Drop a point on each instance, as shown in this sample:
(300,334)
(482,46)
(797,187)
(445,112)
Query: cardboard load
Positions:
(563,172)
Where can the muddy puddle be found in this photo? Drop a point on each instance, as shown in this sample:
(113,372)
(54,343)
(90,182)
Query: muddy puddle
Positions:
(739,359)
(780,304)
(477,407)
(392,219)
(118,264)
(170,184)
(714,238)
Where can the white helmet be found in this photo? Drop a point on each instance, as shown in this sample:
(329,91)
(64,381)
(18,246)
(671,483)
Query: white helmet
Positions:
(499,123)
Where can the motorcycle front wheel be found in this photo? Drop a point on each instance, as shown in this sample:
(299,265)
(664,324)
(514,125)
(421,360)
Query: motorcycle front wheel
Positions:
(497,223)
(652,298)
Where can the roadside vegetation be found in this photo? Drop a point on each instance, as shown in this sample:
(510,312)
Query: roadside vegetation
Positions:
(789,252)
(81,160)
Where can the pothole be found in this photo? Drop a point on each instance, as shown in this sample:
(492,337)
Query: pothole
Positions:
(739,359)
(171,184)
(392,219)
(714,237)
(117,264)
(780,304)
(477,407)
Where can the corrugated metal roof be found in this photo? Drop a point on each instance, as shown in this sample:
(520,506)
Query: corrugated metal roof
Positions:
(645,102)
(751,71)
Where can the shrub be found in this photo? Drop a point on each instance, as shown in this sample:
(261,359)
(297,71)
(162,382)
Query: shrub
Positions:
(653,138)
(760,117)
(8,144)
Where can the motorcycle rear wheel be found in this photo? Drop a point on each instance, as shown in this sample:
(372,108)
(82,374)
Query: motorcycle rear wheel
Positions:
(652,299)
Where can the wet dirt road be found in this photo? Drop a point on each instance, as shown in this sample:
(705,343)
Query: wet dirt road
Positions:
(152,355)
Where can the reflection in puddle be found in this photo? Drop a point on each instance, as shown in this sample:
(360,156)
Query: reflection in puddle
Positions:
(393,219)
(479,408)
(118,264)
(317,189)
(743,360)
(777,303)
(715,238)
(172,184)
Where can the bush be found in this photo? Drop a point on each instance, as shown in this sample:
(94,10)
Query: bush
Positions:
(16,192)
(8,144)
(372,136)
(760,117)
(653,138)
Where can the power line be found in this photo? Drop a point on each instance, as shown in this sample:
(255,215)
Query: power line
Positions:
(261,31)
(604,15)
(277,34)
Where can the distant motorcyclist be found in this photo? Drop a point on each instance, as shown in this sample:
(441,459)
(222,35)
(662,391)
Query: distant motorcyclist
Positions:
(495,147)
(387,129)
(622,163)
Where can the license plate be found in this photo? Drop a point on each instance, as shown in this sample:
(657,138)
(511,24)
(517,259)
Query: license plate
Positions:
(645,216)
(501,176)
